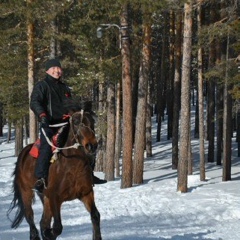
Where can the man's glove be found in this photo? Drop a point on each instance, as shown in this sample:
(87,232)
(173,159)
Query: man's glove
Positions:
(44,122)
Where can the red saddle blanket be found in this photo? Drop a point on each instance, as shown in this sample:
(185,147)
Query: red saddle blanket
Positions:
(34,152)
(58,140)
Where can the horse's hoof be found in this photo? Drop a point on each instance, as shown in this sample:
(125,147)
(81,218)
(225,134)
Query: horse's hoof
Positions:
(34,235)
(36,238)
(48,234)
(97,238)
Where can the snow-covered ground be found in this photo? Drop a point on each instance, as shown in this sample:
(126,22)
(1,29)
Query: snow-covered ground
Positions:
(153,210)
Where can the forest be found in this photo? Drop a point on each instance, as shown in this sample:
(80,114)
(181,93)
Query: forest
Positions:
(133,60)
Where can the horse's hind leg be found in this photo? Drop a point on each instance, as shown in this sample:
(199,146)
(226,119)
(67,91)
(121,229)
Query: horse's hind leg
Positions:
(89,203)
(27,198)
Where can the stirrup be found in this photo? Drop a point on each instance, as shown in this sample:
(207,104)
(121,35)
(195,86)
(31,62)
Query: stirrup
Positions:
(40,185)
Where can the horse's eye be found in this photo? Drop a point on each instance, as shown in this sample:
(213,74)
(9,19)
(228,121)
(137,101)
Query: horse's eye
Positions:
(91,148)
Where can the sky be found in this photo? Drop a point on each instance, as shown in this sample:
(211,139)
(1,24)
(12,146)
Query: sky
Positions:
(154,210)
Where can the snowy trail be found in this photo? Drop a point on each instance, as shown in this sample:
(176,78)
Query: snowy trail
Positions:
(153,210)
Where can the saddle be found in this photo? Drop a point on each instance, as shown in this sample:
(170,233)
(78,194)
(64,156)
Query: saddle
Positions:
(58,140)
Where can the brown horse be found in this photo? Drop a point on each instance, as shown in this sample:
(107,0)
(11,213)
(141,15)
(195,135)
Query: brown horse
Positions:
(70,177)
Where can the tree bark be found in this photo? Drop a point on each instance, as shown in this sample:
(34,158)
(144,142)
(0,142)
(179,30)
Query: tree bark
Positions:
(170,82)
(219,110)
(110,147)
(30,42)
(53,45)
(18,137)
(200,99)
(220,88)
(101,130)
(1,119)
(227,123)
(118,142)
(149,123)
(161,101)
(211,96)
(127,164)
(142,106)
(9,134)
(185,100)
(176,90)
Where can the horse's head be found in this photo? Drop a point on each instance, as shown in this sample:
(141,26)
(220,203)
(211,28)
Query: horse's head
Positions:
(83,133)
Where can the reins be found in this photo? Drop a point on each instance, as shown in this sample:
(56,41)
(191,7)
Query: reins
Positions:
(76,145)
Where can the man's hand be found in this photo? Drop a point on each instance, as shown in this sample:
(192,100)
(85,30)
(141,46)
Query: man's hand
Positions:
(44,122)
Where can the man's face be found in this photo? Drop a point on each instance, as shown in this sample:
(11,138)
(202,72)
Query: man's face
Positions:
(55,72)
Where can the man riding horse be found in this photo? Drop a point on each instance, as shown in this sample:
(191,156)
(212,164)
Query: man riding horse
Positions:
(47,103)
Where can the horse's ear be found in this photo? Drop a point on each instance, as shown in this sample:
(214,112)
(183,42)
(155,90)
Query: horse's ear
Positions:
(70,112)
(76,121)
(87,106)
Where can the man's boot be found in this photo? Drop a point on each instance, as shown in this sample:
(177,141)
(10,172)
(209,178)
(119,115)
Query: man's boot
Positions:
(97,180)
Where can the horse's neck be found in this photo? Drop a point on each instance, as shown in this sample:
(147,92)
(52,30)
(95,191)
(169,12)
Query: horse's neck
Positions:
(72,151)
(70,139)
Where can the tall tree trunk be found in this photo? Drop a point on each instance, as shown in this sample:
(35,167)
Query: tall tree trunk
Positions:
(162,81)
(1,119)
(220,49)
(53,46)
(110,147)
(142,106)
(101,129)
(227,123)
(149,123)
(127,164)
(118,141)
(9,135)
(190,159)
(18,137)
(238,130)
(200,99)
(211,95)
(30,36)
(25,130)
(176,90)
(196,126)
(169,91)
(219,110)
(185,100)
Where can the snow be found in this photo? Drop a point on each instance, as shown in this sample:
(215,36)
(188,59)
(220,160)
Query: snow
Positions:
(153,210)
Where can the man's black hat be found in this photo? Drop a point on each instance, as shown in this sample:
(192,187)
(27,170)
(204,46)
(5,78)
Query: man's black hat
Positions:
(52,63)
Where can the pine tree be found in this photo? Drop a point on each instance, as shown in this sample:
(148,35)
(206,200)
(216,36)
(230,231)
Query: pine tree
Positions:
(185,100)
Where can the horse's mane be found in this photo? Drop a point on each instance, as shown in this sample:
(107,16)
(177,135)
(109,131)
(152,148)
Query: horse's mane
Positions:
(74,105)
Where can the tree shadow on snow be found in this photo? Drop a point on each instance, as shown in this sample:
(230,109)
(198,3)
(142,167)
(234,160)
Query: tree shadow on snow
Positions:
(114,230)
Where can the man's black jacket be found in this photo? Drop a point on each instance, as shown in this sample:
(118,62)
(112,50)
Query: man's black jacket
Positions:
(48,97)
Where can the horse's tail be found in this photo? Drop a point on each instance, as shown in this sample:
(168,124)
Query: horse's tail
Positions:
(17,201)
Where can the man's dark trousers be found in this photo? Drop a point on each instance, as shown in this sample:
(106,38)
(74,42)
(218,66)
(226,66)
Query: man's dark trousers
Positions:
(45,154)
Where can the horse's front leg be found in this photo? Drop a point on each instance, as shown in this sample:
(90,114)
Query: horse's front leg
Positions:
(51,209)
(95,217)
(57,222)
(45,223)
(89,203)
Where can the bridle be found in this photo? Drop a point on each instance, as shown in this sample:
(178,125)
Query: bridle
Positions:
(76,145)
(81,125)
